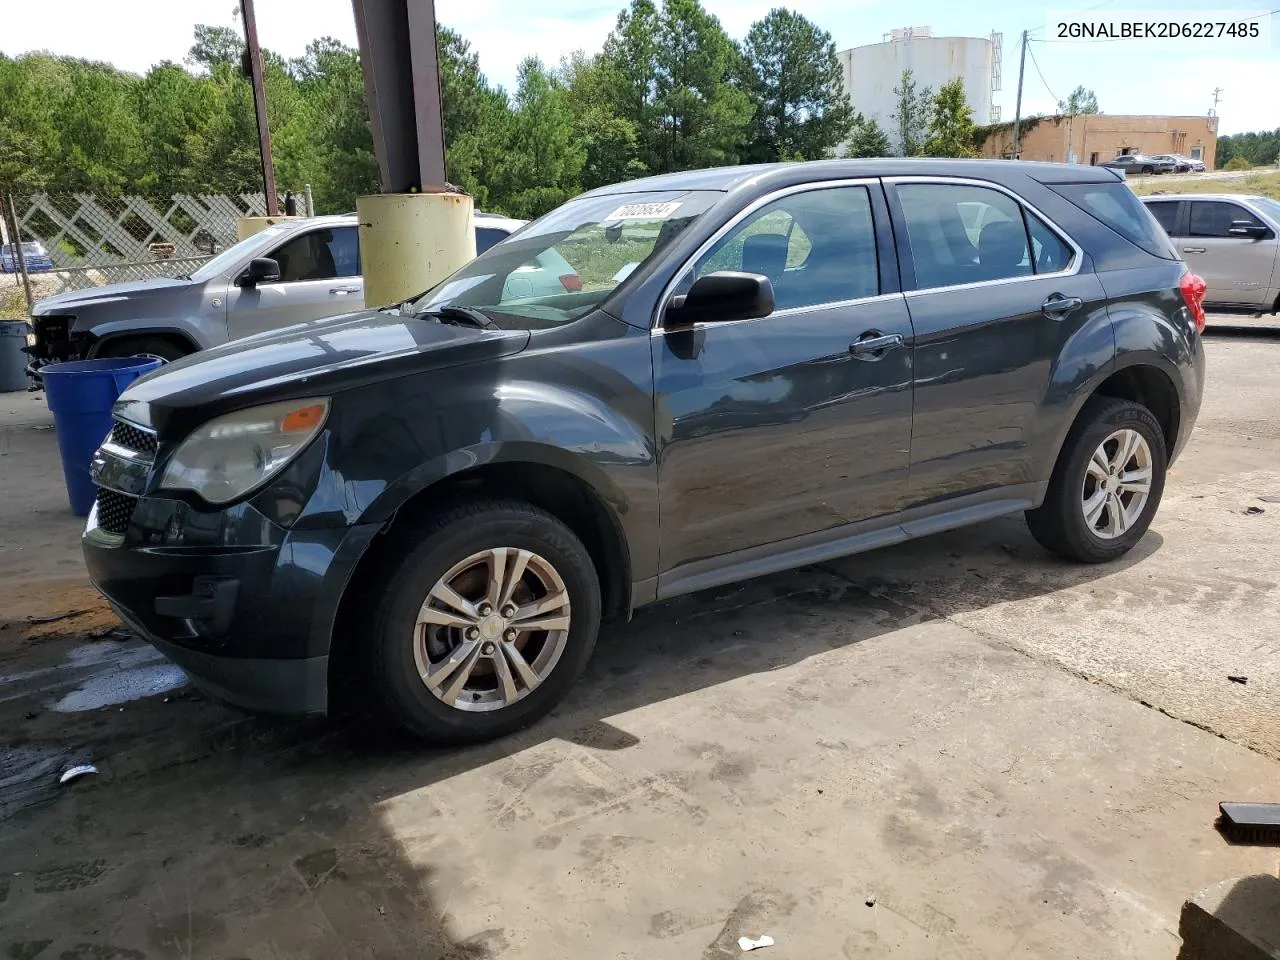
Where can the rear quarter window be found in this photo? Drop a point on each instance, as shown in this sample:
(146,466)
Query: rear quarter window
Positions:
(1115,205)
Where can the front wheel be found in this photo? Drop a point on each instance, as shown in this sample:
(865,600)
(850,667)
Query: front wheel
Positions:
(486,623)
(1107,484)
(1148,170)
(162,347)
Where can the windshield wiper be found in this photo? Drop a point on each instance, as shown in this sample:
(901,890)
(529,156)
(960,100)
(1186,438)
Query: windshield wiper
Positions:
(461,316)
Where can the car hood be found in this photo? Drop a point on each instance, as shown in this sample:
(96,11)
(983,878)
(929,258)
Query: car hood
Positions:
(97,296)
(318,358)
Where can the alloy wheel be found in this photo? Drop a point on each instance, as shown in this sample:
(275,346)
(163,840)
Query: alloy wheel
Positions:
(492,629)
(1117,484)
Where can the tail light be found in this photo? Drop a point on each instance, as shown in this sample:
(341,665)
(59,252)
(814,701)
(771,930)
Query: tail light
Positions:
(571,282)
(1193,290)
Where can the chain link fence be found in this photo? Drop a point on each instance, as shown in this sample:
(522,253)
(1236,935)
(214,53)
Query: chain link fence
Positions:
(91,241)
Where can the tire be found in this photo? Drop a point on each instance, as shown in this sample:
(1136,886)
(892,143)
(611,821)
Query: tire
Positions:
(1148,170)
(162,347)
(400,651)
(1060,523)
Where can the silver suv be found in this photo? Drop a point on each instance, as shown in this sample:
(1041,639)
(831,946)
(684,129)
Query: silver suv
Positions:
(289,273)
(1231,241)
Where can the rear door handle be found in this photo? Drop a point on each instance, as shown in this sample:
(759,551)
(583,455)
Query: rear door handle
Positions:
(873,344)
(1058,306)
(342,290)
(1195,250)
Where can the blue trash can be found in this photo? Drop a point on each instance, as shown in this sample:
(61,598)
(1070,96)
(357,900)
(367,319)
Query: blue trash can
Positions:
(81,393)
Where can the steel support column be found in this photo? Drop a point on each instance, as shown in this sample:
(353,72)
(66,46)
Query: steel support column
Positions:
(402,86)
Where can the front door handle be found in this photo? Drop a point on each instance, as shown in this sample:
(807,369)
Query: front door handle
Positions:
(1195,250)
(873,344)
(1058,306)
(342,290)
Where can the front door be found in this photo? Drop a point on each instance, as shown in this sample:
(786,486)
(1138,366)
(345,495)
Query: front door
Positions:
(992,310)
(319,277)
(1237,270)
(775,428)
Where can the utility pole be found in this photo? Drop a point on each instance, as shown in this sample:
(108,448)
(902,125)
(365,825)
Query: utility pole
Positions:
(260,107)
(1017,110)
(1216,98)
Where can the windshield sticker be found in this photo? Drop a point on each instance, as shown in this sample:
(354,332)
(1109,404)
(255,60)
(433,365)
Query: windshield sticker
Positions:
(644,211)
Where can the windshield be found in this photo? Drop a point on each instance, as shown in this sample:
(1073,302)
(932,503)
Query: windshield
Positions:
(231,256)
(28,248)
(1272,207)
(562,266)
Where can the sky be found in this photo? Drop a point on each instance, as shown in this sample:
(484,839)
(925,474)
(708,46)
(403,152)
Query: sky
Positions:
(1128,78)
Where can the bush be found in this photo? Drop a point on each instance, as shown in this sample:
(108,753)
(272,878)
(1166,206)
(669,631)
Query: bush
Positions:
(1238,163)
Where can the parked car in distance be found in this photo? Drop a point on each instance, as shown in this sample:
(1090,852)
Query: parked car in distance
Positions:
(34,254)
(1230,240)
(764,367)
(1138,163)
(1180,163)
(312,270)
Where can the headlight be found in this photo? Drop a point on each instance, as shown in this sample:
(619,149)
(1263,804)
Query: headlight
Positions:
(230,456)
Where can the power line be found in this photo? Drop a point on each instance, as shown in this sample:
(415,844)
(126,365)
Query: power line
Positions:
(1096,6)
(1039,73)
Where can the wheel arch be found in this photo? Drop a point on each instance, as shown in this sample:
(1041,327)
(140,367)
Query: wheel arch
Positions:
(540,477)
(172,334)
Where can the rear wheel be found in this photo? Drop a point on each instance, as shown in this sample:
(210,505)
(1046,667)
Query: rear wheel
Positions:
(161,347)
(1107,484)
(486,623)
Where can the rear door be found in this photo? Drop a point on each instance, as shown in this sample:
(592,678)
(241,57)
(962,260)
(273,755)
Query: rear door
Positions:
(1236,269)
(992,308)
(319,277)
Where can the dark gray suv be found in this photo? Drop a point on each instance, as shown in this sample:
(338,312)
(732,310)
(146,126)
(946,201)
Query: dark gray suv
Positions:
(758,368)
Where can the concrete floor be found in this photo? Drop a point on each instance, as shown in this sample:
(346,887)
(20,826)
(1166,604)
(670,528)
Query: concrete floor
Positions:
(952,730)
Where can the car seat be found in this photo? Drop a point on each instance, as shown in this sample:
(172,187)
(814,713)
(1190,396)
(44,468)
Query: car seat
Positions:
(1002,248)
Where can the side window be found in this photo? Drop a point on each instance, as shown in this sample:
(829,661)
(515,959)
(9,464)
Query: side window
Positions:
(815,247)
(307,257)
(345,250)
(1051,253)
(486,237)
(1213,218)
(1166,214)
(962,234)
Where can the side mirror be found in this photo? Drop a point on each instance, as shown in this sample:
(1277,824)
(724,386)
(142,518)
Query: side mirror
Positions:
(723,295)
(1247,228)
(260,270)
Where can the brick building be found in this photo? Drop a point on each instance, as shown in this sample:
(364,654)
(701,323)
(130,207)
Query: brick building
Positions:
(1093,139)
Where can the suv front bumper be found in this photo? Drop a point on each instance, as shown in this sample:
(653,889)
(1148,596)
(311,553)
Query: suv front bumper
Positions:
(242,604)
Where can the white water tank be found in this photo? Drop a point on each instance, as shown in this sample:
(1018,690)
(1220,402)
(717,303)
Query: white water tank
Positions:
(871,72)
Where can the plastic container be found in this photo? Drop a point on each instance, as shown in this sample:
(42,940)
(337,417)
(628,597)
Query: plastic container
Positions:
(13,358)
(81,393)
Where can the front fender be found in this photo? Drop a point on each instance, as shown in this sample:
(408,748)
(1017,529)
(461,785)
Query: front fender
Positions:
(384,446)
(104,333)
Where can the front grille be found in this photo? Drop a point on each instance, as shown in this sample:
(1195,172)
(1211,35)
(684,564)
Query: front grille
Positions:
(132,438)
(114,510)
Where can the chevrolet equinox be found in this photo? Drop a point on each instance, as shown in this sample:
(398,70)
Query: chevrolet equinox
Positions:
(761,368)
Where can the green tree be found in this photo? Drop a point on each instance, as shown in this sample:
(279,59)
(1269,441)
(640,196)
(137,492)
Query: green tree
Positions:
(794,77)
(609,141)
(951,123)
(867,139)
(477,117)
(912,115)
(1079,101)
(335,116)
(544,159)
(669,74)
(214,45)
